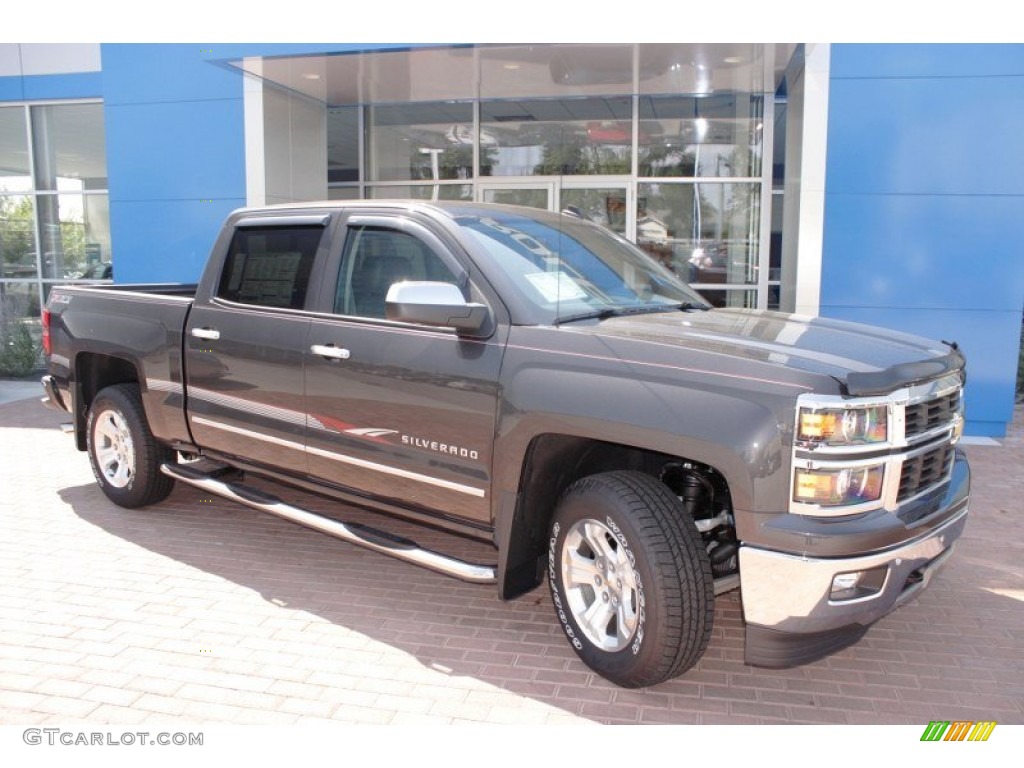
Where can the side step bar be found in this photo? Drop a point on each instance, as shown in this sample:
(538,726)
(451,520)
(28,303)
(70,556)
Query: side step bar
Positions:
(354,533)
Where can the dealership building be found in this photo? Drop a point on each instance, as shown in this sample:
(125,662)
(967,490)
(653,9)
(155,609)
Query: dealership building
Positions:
(881,184)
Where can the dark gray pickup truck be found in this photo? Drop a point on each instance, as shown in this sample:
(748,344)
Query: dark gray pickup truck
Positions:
(533,380)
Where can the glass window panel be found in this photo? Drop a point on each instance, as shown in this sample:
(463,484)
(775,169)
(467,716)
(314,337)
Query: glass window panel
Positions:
(75,232)
(68,144)
(604,205)
(19,301)
(556,137)
(14,166)
(420,142)
(734,299)
(775,245)
(705,233)
(342,144)
(779,153)
(531,197)
(17,237)
(717,136)
(343,193)
(421,192)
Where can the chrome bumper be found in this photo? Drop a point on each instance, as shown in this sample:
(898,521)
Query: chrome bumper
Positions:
(791,594)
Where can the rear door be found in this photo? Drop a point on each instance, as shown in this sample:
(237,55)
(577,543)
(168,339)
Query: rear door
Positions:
(245,343)
(398,410)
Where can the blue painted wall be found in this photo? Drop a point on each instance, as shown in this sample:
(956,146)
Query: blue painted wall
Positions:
(176,149)
(175,152)
(924,203)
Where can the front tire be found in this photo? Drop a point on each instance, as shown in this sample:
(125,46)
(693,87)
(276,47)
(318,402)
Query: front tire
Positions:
(124,455)
(630,578)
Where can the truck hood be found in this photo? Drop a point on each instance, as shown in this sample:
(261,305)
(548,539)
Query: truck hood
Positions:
(864,359)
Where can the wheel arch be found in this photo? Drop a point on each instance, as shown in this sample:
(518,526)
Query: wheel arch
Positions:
(95,371)
(552,462)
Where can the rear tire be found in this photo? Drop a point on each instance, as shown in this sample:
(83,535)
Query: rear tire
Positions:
(630,578)
(124,455)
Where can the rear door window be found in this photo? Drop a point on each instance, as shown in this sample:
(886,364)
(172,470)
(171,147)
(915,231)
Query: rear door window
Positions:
(270,266)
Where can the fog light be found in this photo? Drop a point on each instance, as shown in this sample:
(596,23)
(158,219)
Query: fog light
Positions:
(845,581)
(855,585)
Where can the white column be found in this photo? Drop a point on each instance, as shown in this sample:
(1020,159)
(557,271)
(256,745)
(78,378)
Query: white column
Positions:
(806,155)
(285,144)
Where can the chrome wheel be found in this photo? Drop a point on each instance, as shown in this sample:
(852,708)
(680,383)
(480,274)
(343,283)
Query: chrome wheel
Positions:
(600,585)
(115,452)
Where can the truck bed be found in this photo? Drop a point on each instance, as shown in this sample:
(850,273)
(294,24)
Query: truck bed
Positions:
(96,329)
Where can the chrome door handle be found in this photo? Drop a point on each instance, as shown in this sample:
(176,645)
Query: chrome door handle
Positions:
(206,333)
(331,351)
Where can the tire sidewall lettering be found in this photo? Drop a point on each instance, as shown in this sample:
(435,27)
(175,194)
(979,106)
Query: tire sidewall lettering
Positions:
(556,596)
(641,601)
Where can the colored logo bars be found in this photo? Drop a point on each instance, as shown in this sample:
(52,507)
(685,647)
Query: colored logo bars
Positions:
(958,730)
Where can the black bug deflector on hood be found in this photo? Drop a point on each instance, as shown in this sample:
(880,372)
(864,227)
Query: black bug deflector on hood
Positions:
(866,383)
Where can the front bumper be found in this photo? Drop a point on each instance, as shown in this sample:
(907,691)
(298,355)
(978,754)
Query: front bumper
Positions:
(788,604)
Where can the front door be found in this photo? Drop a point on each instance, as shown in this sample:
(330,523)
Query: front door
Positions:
(397,410)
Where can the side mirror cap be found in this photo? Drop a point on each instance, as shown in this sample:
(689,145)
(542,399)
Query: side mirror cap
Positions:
(438,304)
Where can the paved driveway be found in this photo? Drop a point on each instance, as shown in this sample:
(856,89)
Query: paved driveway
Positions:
(198,610)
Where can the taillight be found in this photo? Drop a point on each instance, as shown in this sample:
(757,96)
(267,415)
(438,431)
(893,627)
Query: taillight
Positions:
(46,332)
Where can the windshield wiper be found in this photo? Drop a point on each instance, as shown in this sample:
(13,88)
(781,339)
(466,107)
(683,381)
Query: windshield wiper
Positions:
(606,312)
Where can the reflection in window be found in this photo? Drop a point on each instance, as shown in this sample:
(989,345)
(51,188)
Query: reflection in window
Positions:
(68,147)
(420,142)
(732,299)
(17,238)
(54,212)
(705,233)
(563,137)
(713,136)
(342,144)
(605,206)
(15,175)
(75,232)
(531,197)
(421,192)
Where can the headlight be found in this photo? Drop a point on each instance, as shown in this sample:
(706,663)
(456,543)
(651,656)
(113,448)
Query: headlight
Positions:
(843,426)
(838,487)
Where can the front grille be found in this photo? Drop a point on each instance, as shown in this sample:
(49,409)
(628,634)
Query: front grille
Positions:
(931,414)
(925,470)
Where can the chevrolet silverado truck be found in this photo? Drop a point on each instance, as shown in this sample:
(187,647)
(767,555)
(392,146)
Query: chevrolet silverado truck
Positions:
(535,381)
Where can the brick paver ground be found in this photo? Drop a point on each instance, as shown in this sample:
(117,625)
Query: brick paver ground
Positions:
(198,610)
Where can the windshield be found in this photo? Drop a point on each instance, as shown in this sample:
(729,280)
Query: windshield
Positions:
(568,268)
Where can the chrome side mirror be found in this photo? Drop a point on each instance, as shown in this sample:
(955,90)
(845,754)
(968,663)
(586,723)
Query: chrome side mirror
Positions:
(439,304)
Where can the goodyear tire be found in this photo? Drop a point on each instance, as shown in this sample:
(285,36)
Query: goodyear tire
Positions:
(630,578)
(124,456)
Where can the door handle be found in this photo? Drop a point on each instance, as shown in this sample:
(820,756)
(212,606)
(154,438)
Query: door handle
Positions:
(331,351)
(206,333)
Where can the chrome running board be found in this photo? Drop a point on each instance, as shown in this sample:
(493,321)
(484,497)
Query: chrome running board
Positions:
(354,533)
